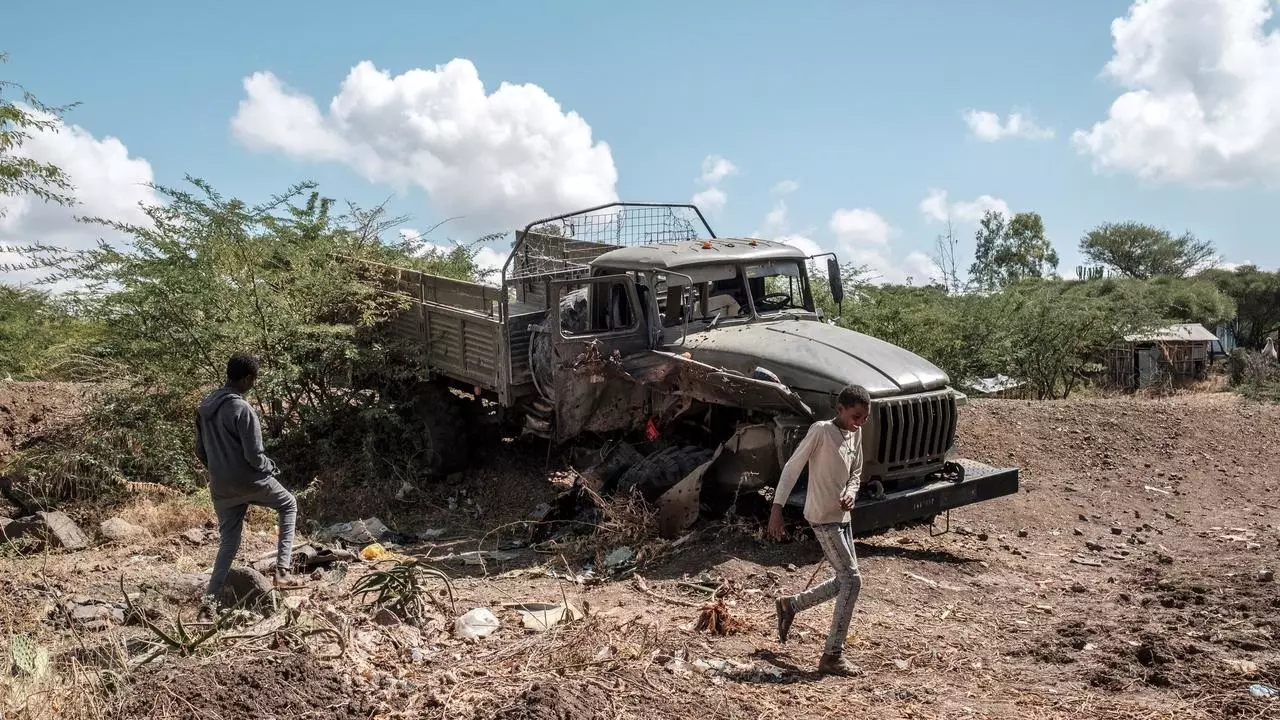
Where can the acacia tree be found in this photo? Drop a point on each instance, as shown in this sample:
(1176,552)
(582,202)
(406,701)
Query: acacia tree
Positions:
(21,175)
(1007,251)
(1143,251)
(1257,297)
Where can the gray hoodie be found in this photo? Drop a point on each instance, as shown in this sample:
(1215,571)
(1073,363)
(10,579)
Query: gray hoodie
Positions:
(229,444)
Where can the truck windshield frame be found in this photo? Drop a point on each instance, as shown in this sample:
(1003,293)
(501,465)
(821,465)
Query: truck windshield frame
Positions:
(763,280)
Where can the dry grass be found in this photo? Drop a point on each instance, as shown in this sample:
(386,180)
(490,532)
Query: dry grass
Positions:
(168,515)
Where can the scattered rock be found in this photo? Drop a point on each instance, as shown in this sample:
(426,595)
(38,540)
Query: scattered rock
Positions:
(1117,531)
(1078,587)
(45,530)
(96,617)
(358,532)
(195,536)
(1083,517)
(1022,533)
(246,588)
(983,537)
(1266,575)
(87,614)
(117,530)
(1077,532)
(1245,668)
(1093,546)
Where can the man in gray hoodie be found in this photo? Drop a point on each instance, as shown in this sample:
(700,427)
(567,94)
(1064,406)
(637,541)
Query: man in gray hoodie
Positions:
(229,445)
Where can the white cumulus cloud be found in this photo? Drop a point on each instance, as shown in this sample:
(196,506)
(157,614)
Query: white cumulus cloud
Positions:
(712,200)
(936,207)
(786,187)
(497,160)
(988,127)
(109,183)
(714,170)
(862,237)
(1202,100)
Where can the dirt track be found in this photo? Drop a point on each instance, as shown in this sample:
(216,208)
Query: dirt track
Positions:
(1123,581)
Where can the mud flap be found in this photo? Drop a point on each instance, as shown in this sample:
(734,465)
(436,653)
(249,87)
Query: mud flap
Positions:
(678,507)
(737,462)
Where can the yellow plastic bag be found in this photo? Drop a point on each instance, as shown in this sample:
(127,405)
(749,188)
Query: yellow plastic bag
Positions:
(374,553)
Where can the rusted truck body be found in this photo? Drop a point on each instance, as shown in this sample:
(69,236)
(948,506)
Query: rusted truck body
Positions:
(636,320)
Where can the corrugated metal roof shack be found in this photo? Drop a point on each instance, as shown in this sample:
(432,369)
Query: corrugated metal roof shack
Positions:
(1177,353)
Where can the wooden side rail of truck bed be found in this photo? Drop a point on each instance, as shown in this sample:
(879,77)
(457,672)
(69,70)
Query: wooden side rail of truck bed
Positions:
(457,324)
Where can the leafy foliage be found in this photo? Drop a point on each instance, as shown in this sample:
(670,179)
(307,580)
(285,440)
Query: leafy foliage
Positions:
(1007,251)
(1255,376)
(402,588)
(1142,251)
(207,276)
(1257,299)
(38,333)
(21,175)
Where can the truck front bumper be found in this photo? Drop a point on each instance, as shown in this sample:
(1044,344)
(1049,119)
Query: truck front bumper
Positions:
(981,482)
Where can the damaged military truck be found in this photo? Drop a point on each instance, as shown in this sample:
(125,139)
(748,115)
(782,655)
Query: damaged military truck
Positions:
(636,320)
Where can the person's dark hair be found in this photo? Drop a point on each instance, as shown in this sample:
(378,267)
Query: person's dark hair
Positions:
(241,366)
(854,396)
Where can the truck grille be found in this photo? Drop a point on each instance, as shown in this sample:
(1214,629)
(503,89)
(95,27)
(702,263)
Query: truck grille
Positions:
(914,429)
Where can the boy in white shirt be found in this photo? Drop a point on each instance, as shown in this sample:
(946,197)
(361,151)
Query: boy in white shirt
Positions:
(832,449)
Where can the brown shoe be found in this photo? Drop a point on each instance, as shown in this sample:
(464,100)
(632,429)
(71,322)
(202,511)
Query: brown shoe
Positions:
(786,614)
(288,581)
(837,665)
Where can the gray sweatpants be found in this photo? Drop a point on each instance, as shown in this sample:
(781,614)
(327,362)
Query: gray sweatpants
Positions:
(836,540)
(231,527)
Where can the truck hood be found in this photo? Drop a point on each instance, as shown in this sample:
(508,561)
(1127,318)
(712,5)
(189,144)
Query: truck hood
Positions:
(814,356)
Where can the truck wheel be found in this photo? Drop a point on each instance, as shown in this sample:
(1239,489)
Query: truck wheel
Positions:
(658,472)
(443,423)
(573,317)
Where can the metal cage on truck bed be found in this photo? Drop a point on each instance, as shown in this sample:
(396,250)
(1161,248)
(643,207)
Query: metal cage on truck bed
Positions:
(480,334)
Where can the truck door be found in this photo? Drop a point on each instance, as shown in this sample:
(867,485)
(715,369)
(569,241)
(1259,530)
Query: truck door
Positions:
(592,390)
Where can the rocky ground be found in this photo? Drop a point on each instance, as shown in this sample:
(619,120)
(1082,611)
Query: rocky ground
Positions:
(1131,578)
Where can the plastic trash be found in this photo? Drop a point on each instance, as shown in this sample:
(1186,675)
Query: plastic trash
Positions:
(374,552)
(1259,690)
(477,623)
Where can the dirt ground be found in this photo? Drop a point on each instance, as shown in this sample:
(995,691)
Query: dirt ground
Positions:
(1125,580)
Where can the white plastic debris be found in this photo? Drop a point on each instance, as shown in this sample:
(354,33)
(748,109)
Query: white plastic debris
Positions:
(477,623)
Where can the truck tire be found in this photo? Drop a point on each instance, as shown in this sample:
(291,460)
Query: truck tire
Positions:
(658,472)
(573,317)
(443,424)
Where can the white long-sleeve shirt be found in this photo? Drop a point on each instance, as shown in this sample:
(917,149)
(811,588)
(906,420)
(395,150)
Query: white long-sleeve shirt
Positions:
(834,457)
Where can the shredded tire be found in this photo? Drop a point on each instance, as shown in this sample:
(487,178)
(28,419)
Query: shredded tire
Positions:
(658,472)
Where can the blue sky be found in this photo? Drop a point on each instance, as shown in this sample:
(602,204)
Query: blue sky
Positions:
(860,103)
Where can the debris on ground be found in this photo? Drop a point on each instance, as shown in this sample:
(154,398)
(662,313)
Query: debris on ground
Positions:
(476,623)
(363,532)
(89,615)
(199,536)
(715,618)
(739,671)
(44,530)
(544,616)
(480,557)
(1260,690)
(118,530)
